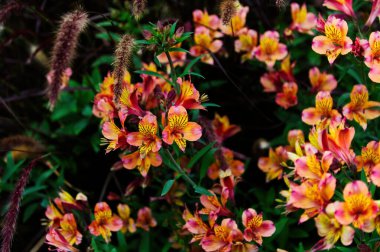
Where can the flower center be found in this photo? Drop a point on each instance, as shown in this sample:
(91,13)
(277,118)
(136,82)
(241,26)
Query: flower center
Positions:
(255,222)
(324,106)
(269,45)
(334,34)
(221,232)
(358,203)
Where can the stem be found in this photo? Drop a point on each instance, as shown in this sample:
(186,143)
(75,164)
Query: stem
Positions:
(180,170)
(173,74)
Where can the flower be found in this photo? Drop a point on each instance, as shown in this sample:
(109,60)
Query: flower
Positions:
(331,230)
(372,55)
(145,219)
(146,139)
(222,128)
(115,137)
(213,207)
(237,21)
(335,40)
(128,223)
(323,110)
(288,97)
(54,213)
(303,21)
(68,229)
(321,81)
(271,165)
(273,80)
(375,11)
(179,129)
(202,18)
(56,239)
(359,108)
(178,58)
(246,43)
(204,43)
(358,207)
(134,159)
(104,222)
(370,157)
(222,236)
(195,225)
(270,49)
(256,227)
(236,166)
(344,6)
(189,97)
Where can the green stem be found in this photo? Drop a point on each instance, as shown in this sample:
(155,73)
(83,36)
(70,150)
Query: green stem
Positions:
(173,74)
(180,170)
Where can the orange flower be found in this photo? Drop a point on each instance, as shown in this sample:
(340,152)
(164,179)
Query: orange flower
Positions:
(195,225)
(360,108)
(189,97)
(223,129)
(358,207)
(237,21)
(54,213)
(179,129)
(128,223)
(133,160)
(335,40)
(321,81)
(246,43)
(273,80)
(303,21)
(104,222)
(331,230)
(202,18)
(222,236)
(56,239)
(295,137)
(372,55)
(213,207)
(270,49)
(272,165)
(256,227)
(288,97)
(145,220)
(344,6)
(115,137)
(236,166)
(204,43)
(323,111)
(312,196)
(370,157)
(146,139)
(68,228)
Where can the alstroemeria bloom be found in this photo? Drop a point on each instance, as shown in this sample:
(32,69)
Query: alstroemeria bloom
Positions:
(369,157)
(312,196)
(271,165)
(375,11)
(68,228)
(273,80)
(372,55)
(331,230)
(288,97)
(310,166)
(344,6)
(237,21)
(270,48)
(104,222)
(146,139)
(323,110)
(178,58)
(202,18)
(56,239)
(54,213)
(195,225)
(303,21)
(128,223)
(236,166)
(179,129)
(115,137)
(133,160)
(204,43)
(189,97)
(246,43)
(360,108)
(223,129)
(321,81)
(213,207)
(256,227)
(335,40)
(222,236)
(358,207)
(145,219)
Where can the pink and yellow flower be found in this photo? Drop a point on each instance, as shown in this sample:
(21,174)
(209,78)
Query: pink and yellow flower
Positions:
(288,97)
(375,11)
(223,129)
(369,158)
(360,108)
(273,80)
(133,160)
(202,18)
(68,229)
(56,239)
(178,58)
(256,227)
(246,43)
(104,222)
(115,137)
(213,207)
(179,129)
(204,44)
(128,223)
(344,6)
(236,166)
(237,21)
(195,225)
(189,97)
(270,48)
(335,40)
(272,165)
(372,55)
(222,236)
(303,21)
(321,81)
(358,207)
(146,139)
(323,111)
(145,219)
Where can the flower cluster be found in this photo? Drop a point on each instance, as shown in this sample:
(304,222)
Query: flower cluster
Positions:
(66,228)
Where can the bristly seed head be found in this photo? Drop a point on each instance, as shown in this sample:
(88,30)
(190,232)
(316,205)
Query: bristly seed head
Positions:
(138,8)
(123,54)
(227,10)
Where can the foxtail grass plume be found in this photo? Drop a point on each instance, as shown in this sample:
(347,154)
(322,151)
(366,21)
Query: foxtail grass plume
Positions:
(123,54)
(138,8)
(10,219)
(227,10)
(8,9)
(72,25)
(21,147)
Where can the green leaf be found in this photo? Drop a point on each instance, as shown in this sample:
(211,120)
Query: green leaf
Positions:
(121,241)
(202,190)
(153,74)
(197,74)
(28,212)
(207,160)
(343,99)
(11,168)
(144,42)
(45,175)
(172,29)
(190,65)
(104,59)
(199,155)
(168,185)
(210,104)
(176,49)
(33,189)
